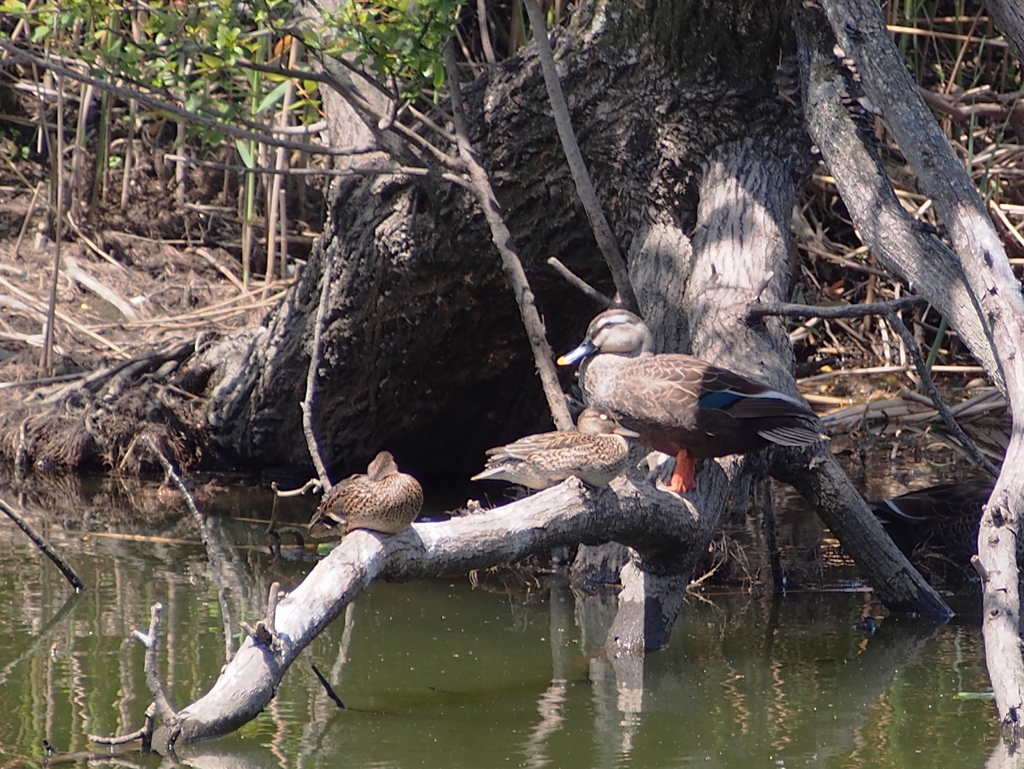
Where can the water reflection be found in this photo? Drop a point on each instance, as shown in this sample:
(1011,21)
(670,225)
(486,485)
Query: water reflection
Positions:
(439,674)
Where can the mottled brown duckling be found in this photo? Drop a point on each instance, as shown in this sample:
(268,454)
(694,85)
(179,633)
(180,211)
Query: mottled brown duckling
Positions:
(383,500)
(681,405)
(595,453)
(941,520)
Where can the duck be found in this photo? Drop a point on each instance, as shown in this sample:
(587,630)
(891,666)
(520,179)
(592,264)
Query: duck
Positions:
(681,405)
(940,520)
(383,499)
(595,453)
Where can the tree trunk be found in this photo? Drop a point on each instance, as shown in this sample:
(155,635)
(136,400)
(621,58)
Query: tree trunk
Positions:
(416,286)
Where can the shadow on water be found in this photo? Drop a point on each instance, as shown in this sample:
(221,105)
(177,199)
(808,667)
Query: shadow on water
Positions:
(444,674)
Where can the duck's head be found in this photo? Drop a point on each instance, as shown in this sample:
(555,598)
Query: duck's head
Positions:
(613,331)
(602,422)
(382,466)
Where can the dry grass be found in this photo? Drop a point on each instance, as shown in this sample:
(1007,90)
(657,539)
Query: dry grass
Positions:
(866,377)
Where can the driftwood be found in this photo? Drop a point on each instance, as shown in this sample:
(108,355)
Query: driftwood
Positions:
(990,318)
(649,520)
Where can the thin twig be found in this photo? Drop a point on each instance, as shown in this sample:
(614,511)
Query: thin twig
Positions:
(20,55)
(933,392)
(46,364)
(837,311)
(42,544)
(510,261)
(308,402)
(889,311)
(578,283)
(577,166)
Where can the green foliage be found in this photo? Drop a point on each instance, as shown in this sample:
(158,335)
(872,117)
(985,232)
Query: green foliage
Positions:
(191,53)
(196,53)
(401,41)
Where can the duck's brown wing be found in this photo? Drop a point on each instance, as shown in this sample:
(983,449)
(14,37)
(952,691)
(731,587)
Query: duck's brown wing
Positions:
(531,445)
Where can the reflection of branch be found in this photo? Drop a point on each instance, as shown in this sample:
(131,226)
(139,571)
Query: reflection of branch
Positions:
(550,705)
(327,687)
(212,550)
(46,547)
(40,636)
(888,311)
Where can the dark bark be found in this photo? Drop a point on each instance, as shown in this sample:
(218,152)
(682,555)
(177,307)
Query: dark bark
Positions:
(416,285)
(1009,18)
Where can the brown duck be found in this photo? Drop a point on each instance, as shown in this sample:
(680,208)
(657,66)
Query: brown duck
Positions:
(383,500)
(681,405)
(595,453)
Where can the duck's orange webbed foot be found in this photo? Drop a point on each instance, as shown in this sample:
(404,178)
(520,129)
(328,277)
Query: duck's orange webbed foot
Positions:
(682,477)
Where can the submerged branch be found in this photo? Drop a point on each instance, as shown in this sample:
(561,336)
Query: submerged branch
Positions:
(46,547)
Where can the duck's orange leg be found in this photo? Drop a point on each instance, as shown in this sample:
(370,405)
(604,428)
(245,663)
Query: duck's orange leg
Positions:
(682,477)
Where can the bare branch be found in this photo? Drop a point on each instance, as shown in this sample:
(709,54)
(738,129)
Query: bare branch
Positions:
(510,261)
(46,547)
(581,177)
(152,102)
(578,283)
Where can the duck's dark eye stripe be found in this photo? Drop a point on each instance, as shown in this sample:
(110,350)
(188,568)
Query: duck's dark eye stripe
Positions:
(612,320)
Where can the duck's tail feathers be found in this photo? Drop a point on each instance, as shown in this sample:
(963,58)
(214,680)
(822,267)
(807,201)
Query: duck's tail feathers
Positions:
(326,526)
(792,435)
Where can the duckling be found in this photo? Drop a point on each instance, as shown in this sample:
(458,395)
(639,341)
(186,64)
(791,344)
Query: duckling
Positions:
(595,453)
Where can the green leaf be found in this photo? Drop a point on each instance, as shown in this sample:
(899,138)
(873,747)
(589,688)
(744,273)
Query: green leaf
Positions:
(273,97)
(246,152)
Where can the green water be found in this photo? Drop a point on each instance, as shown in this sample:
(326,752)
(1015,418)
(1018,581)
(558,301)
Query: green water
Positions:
(442,674)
